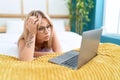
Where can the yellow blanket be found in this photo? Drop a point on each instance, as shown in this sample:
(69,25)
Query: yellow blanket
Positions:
(105,66)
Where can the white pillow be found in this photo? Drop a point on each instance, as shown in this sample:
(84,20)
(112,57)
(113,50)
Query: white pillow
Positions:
(15,26)
(58,25)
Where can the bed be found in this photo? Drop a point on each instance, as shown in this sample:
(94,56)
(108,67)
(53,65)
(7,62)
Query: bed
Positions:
(8,40)
(105,66)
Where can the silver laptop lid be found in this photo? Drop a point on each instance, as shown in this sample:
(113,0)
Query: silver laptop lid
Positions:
(89,46)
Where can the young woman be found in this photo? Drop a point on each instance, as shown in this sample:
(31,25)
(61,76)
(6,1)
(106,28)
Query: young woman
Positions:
(38,38)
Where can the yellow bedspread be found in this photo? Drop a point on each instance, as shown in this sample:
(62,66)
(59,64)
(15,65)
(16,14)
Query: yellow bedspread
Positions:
(105,66)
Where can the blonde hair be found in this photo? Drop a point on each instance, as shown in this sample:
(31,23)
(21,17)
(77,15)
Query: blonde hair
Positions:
(26,32)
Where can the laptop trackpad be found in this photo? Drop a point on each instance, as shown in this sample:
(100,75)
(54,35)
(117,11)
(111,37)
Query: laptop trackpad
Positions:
(60,59)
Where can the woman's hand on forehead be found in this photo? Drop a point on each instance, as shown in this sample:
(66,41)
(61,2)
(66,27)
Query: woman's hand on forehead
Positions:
(31,24)
(33,19)
(37,19)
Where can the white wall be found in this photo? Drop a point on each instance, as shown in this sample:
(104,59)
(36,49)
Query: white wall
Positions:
(57,7)
(13,8)
(30,5)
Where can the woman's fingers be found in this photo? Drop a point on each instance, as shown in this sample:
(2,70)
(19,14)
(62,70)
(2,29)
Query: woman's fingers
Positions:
(35,20)
(32,24)
(32,20)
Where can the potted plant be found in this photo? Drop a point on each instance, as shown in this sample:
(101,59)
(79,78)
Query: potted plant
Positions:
(79,11)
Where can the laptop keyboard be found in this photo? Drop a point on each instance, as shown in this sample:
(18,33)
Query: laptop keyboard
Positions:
(68,55)
(71,62)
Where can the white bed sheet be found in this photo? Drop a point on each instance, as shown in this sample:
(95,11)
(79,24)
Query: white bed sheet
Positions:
(8,42)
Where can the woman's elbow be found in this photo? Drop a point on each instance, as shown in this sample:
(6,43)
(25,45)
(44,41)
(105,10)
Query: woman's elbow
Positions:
(26,57)
(58,51)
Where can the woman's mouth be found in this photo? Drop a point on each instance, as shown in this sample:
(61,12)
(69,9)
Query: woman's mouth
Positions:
(47,37)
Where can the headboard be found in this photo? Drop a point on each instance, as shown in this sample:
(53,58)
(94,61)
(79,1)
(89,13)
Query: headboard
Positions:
(19,8)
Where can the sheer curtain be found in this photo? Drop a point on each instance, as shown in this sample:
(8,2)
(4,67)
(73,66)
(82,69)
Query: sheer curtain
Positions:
(111,23)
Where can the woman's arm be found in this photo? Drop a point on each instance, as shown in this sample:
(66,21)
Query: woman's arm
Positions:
(37,54)
(26,49)
(56,44)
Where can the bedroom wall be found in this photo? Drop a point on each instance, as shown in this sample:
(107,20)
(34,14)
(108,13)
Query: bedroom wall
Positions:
(17,9)
(58,8)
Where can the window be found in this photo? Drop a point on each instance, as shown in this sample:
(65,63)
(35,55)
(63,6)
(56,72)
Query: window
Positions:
(112,16)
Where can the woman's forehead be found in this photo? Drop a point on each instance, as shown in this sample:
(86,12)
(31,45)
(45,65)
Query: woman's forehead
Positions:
(44,21)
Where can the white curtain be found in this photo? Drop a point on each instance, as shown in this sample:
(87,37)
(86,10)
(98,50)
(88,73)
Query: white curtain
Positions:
(111,22)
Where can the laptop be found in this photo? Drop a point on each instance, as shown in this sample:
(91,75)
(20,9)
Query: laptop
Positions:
(88,50)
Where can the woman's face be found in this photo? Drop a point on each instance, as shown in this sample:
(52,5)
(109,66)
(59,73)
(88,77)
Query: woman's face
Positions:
(44,31)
